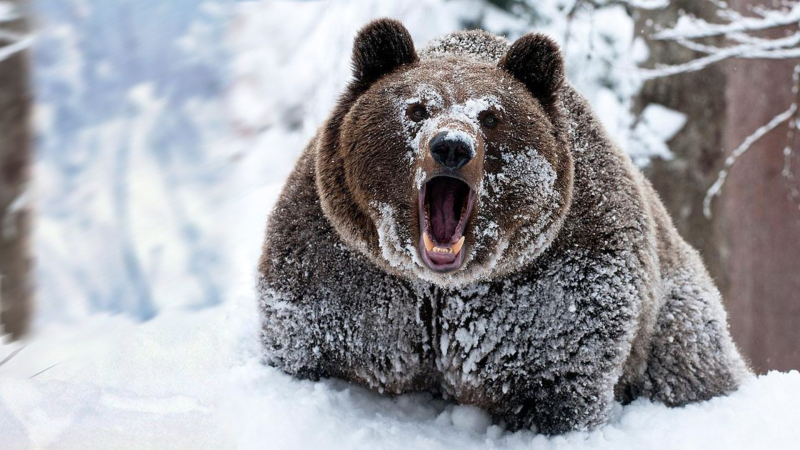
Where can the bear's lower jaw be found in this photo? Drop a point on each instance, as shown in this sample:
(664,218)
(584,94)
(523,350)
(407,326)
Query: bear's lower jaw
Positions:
(445,205)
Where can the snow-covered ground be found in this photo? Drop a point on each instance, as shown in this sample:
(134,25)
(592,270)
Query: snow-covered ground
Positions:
(95,375)
(194,380)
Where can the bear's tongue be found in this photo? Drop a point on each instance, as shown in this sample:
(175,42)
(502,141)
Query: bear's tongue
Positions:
(446,201)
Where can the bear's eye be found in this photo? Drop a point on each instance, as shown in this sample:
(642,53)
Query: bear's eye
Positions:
(489,120)
(417,113)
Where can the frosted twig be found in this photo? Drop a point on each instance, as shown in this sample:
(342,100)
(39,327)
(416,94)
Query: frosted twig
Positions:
(13,354)
(724,12)
(691,66)
(715,188)
(645,4)
(693,28)
(751,45)
(791,138)
(43,371)
(9,50)
(782,48)
(635,4)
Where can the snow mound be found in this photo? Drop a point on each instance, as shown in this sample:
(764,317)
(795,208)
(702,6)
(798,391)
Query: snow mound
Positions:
(186,380)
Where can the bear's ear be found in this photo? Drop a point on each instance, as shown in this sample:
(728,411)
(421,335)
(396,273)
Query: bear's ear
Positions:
(380,47)
(536,61)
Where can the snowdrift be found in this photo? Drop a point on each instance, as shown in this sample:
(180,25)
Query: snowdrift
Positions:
(187,380)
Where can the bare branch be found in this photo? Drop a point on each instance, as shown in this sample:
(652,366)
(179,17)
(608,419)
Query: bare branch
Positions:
(783,48)
(10,50)
(749,42)
(13,354)
(43,371)
(645,4)
(570,8)
(724,12)
(791,141)
(762,131)
(691,66)
(693,28)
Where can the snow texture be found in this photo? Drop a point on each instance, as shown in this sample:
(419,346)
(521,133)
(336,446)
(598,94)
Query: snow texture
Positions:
(195,380)
(657,125)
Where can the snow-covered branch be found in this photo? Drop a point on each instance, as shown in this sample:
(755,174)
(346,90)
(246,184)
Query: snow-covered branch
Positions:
(736,30)
(645,4)
(572,6)
(762,131)
(694,28)
(10,50)
(16,41)
(783,48)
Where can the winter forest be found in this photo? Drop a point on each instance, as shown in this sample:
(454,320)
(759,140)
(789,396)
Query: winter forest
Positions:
(143,144)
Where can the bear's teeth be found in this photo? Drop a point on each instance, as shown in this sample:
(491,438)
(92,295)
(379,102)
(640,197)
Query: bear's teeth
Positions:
(428,241)
(457,246)
(431,247)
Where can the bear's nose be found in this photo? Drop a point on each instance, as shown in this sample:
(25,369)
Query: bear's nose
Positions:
(452,150)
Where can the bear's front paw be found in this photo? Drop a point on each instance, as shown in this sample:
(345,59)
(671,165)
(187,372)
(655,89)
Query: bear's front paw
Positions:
(554,417)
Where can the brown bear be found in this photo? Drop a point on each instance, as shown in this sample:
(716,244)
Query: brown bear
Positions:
(462,224)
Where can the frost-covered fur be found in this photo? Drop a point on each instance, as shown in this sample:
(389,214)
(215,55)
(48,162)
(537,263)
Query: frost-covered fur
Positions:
(577,289)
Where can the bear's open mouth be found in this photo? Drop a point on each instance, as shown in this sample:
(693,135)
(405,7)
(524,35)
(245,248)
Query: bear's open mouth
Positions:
(445,204)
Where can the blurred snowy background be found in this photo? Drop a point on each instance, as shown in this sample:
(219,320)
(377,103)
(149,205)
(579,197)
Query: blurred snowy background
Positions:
(153,116)
(164,132)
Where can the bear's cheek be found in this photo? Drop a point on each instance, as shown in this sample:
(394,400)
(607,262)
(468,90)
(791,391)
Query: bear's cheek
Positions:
(487,232)
(378,171)
(518,200)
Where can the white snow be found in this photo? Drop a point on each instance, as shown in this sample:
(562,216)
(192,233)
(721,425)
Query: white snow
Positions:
(195,380)
(8,12)
(657,125)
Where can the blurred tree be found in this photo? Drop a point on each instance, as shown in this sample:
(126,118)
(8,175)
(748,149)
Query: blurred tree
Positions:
(741,134)
(15,159)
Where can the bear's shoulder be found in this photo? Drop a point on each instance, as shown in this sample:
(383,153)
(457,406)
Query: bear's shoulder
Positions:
(474,44)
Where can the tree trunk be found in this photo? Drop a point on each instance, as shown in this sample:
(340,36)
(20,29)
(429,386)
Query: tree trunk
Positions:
(751,244)
(15,159)
(762,219)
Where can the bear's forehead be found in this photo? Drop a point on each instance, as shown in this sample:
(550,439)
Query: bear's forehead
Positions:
(445,82)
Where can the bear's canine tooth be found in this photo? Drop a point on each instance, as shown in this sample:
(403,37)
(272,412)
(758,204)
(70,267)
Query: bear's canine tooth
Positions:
(428,241)
(457,246)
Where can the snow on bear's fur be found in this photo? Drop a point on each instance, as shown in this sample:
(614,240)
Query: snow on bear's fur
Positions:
(462,224)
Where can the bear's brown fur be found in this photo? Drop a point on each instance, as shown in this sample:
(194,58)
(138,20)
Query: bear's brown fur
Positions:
(572,287)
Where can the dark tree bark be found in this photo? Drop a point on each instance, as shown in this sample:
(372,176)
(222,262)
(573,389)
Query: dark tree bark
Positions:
(762,220)
(751,244)
(15,158)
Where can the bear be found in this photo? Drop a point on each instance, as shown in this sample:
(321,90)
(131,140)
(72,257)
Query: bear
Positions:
(462,224)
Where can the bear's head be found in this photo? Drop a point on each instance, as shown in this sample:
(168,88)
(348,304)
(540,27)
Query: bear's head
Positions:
(452,167)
